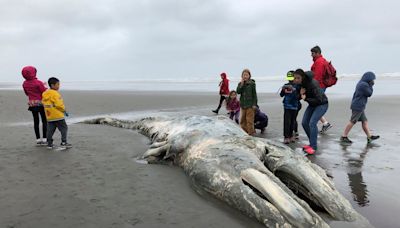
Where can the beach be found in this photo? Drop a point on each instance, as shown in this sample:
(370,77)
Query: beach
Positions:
(99,183)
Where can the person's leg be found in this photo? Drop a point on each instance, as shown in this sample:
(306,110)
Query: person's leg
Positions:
(286,123)
(35,115)
(296,125)
(51,128)
(348,128)
(231,115)
(243,118)
(221,99)
(306,120)
(319,111)
(292,124)
(44,122)
(63,128)
(250,121)
(237,114)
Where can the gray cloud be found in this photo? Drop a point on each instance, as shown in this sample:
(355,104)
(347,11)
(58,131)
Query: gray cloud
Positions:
(100,40)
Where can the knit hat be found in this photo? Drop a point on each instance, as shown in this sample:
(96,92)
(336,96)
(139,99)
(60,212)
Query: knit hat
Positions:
(290,76)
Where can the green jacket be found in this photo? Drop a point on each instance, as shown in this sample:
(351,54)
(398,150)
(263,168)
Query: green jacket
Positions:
(248,94)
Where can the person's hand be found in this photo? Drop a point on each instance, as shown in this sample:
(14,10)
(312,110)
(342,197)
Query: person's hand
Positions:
(66,114)
(303,96)
(288,91)
(254,107)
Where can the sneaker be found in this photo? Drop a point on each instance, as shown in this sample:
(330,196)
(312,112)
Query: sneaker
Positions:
(38,142)
(50,147)
(215,111)
(325,127)
(286,141)
(262,130)
(293,139)
(306,146)
(309,150)
(65,145)
(296,135)
(344,139)
(372,138)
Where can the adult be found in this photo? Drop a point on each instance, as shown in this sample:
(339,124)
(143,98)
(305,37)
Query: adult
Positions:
(223,91)
(317,101)
(318,68)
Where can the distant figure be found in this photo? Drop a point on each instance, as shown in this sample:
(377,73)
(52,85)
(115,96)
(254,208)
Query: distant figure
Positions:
(248,101)
(291,95)
(233,106)
(55,113)
(364,89)
(223,91)
(317,106)
(34,88)
(318,68)
(260,120)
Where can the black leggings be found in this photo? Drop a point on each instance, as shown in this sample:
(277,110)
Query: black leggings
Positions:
(221,99)
(35,113)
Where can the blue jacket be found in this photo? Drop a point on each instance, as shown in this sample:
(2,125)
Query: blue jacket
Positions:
(291,100)
(363,91)
(260,119)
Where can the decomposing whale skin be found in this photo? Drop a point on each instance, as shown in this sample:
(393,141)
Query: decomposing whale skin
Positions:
(263,179)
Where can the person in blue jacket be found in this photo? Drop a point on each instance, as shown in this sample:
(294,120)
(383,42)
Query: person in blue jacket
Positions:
(291,95)
(364,89)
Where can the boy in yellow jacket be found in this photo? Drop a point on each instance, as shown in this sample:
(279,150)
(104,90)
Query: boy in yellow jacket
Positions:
(55,114)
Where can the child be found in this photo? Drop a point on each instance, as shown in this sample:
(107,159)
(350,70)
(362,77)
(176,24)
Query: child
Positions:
(55,113)
(248,101)
(223,91)
(359,102)
(233,106)
(260,120)
(34,88)
(291,94)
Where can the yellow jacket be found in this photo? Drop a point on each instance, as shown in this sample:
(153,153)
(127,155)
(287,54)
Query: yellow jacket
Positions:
(53,105)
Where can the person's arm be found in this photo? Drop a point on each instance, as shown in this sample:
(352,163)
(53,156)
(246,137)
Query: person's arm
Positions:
(41,86)
(255,100)
(58,102)
(366,89)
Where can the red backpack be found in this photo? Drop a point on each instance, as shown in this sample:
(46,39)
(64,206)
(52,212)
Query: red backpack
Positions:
(329,78)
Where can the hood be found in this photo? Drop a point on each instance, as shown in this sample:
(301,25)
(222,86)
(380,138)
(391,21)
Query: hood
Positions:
(310,75)
(223,75)
(29,72)
(368,76)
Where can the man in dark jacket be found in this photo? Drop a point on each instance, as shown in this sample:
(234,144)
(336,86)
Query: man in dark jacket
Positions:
(364,89)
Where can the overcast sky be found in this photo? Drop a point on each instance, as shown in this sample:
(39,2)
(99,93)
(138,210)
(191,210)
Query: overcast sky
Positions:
(142,39)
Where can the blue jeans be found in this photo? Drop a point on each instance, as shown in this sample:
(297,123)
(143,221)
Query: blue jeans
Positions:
(310,119)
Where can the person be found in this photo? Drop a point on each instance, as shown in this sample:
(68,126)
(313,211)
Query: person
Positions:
(291,94)
(318,68)
(248,101)
(260,120)
(33,89)
(55,113)
(233,106)
(223,91)
(364,89)
(317,106)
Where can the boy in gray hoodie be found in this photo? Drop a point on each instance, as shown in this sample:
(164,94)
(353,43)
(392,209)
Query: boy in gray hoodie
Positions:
(364,89)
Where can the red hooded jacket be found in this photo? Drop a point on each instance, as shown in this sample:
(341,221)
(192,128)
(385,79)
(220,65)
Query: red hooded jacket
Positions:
(224,85)
(33,87)
(318,68)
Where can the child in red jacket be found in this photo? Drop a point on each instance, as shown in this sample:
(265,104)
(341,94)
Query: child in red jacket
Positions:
(223,91)
(34,88)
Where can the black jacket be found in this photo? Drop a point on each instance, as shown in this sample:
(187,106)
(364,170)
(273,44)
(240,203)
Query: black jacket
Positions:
(314,95)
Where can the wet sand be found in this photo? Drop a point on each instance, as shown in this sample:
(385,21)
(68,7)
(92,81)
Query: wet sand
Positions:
(97,183)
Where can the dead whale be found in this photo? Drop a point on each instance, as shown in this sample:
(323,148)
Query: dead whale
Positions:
(263,179)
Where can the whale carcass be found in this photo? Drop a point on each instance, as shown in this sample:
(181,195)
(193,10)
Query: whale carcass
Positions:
(263,179)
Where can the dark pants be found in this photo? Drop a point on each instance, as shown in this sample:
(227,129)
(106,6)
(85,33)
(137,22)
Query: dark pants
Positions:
(36,111)
(62,127)
(236,115)
(289,122)
(296,125)
(221,99)
(310,119)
